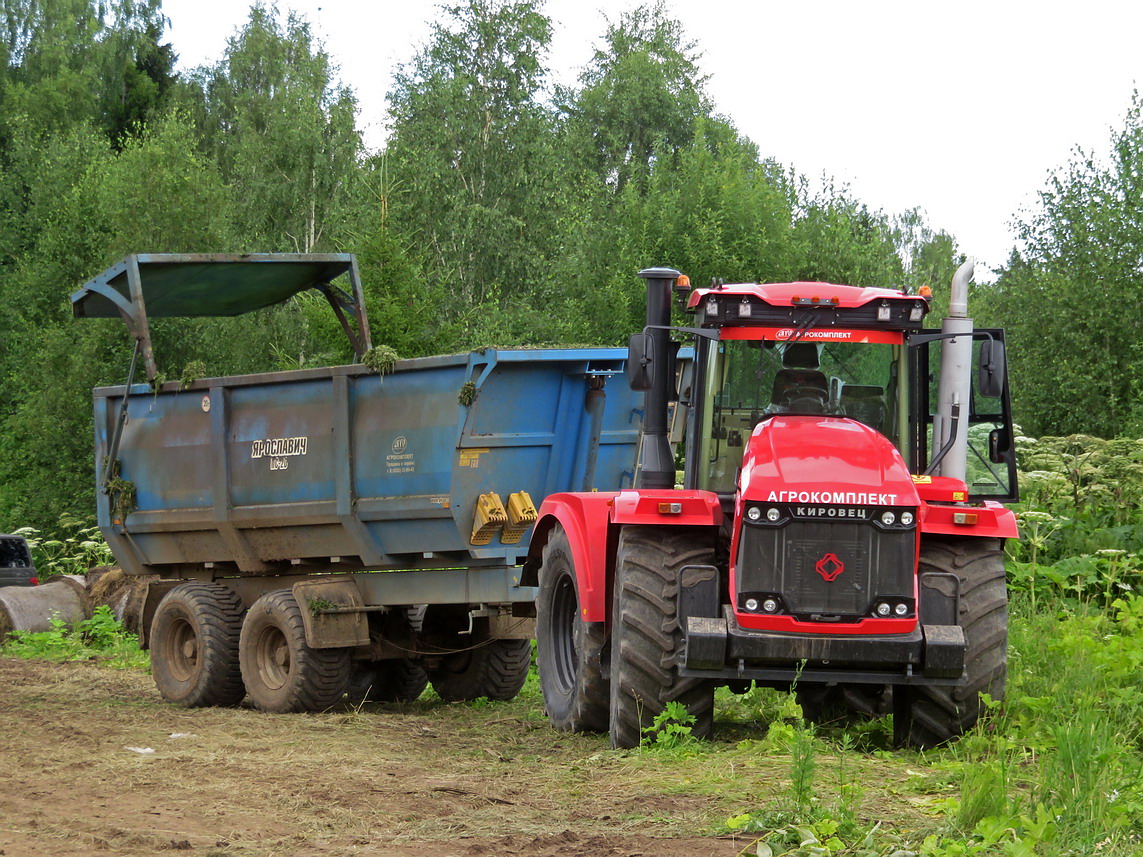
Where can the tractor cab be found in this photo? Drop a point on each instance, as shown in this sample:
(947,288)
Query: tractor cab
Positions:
(821,350)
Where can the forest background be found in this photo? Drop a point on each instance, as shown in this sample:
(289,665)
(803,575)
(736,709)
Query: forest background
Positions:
(501,210)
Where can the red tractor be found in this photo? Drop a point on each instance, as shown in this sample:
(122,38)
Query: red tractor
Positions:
(838,528)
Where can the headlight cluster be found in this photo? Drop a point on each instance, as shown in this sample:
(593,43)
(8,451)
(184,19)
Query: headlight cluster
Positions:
(886,609)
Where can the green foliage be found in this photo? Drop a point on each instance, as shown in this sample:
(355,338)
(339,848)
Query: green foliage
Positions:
(68,62)
(380,359)
(102,636)
(283,134)
(471,168)
(77,546)
(1081,518)
(1064,297)
(639,97)
(670,730)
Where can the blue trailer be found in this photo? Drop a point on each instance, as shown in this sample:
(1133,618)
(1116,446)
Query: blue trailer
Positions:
(320,530)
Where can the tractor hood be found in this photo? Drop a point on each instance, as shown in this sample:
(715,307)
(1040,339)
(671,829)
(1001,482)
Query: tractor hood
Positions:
(824,461)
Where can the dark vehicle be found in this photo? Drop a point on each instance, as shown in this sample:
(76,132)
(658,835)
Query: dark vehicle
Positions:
(16,567)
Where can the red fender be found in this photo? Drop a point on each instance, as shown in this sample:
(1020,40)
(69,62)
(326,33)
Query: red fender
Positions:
(989,521)
(585,519)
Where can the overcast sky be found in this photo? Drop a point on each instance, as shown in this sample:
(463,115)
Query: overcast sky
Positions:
(959,108)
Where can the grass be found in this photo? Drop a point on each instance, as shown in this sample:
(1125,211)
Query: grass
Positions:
(1053,771)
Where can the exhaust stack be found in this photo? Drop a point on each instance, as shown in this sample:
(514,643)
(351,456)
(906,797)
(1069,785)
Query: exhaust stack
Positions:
(955,385)
(656,462)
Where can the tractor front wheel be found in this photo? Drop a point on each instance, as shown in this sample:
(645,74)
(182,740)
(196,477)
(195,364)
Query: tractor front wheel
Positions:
(940,714)
(646,635)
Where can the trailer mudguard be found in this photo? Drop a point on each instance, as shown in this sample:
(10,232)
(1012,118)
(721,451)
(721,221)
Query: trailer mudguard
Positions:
(591,522)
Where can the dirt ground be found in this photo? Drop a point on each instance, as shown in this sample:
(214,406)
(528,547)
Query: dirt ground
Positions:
(426,779)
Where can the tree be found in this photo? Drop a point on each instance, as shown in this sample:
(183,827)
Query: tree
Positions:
(91,206)
(471,156)
(1070,298)
(839,239)
(64,62)
(284,134)
(639,97)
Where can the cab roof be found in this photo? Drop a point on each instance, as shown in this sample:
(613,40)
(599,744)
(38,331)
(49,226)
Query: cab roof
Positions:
(802,293)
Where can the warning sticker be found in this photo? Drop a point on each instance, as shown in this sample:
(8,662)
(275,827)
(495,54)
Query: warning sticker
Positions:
(922,480)
(471,457)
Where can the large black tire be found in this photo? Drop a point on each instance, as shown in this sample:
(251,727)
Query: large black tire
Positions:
(940,714)
(496,669)
(400,680)
(646,637)
(194,646)
(281,671)
(568,650)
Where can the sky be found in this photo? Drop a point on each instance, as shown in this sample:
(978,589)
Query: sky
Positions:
(962,109)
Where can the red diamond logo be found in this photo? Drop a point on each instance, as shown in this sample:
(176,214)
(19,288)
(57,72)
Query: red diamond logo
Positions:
(829,567)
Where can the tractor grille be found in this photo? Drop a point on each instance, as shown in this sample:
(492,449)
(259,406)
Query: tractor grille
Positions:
(826,570)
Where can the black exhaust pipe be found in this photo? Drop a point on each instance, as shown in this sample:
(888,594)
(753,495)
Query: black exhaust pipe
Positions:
(657,464)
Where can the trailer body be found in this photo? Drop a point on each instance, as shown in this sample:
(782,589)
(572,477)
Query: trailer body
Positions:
(346,469)
(355,527)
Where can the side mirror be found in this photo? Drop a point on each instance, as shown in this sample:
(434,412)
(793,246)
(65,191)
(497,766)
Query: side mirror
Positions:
(641,362)
(993,369)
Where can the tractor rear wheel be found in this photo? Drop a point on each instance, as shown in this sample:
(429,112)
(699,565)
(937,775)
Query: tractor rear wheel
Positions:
(282,672)
(496,669)
(568,650)
(646,635)
(940,714)
(194,646)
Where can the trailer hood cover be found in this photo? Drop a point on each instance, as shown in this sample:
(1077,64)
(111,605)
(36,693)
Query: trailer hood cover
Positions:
(172,285)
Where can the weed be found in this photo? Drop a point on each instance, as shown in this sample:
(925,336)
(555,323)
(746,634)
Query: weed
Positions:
(78,547)
(671,728)
(102,636)
(316,605)
(193,371)
(380,359)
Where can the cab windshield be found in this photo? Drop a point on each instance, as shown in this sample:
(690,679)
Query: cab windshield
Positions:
(752,380)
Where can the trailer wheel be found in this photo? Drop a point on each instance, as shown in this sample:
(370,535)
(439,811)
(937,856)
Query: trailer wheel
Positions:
(646,637)
(194,646)
(568,650)
(400,680)
(940,714)
(281,671)
(496,669)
